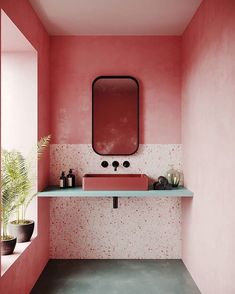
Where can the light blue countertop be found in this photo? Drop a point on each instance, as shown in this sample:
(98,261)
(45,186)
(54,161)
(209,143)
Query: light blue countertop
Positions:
(79,192)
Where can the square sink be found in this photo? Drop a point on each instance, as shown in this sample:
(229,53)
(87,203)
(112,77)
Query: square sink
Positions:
(115,182)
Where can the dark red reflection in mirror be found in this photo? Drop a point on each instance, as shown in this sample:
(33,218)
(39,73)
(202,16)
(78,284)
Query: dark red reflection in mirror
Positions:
(115,111)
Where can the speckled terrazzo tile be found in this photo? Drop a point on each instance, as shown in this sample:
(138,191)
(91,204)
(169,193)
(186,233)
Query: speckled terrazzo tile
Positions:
(91,228)
(82,228)
(153,160)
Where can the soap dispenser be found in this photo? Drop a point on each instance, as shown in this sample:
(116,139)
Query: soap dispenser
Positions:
(63,180)
(71,179)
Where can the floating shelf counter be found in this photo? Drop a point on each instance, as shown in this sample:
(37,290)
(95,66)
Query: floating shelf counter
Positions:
(79,192)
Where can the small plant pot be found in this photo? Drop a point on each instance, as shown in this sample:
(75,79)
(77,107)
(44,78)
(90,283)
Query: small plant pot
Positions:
(22,231)
(8,246)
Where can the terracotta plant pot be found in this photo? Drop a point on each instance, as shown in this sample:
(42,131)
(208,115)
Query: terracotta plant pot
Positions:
(23,232)
(8,246)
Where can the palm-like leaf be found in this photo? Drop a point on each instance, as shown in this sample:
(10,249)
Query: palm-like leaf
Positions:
(14,182)
(42,145)
(17,180)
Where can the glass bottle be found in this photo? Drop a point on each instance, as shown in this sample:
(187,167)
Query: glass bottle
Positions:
(63,180)
(173,176)
(71,179)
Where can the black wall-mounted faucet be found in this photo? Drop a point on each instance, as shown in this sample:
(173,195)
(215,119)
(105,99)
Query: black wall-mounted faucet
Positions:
(115,164)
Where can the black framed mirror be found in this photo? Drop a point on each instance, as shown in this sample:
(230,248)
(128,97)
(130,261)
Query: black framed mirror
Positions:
(115,115)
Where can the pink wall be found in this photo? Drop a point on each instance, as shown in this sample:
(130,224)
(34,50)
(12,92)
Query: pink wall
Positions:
(22,275)
(75,63)
(154,61)
(208,93)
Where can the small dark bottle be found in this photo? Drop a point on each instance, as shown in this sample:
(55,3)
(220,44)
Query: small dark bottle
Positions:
(63,180)
(71,179)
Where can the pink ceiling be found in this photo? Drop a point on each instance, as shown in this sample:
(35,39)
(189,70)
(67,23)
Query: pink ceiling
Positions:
(115,17)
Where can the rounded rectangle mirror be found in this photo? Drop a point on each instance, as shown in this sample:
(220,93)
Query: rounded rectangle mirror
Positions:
(115,115)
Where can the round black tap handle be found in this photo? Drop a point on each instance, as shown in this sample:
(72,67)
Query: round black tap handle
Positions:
(126,163)
(104,163)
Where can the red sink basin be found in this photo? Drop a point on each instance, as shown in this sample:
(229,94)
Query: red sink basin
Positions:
(118,182)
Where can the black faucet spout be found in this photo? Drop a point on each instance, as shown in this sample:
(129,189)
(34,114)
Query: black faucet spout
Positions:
(115,164)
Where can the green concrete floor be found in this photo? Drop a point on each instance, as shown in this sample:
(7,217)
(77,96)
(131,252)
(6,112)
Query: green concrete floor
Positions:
(115,277)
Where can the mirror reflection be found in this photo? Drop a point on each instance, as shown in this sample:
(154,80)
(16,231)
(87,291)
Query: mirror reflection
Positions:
(115,121)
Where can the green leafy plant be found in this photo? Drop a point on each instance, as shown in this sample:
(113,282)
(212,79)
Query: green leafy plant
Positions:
(17,182)
(25,198)
(13,182)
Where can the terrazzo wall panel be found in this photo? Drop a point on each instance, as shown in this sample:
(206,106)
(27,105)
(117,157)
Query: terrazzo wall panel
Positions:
(91,228)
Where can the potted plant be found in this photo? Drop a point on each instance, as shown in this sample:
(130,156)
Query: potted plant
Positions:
(21,227)
(11,184)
